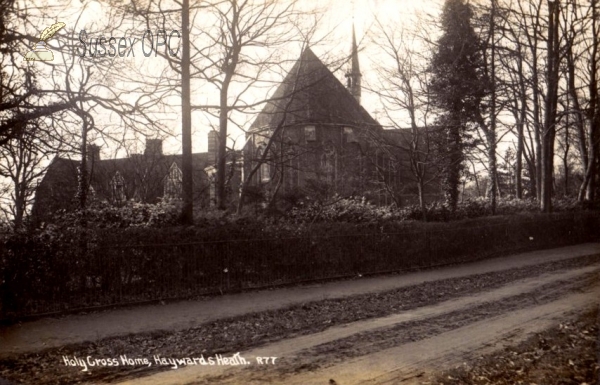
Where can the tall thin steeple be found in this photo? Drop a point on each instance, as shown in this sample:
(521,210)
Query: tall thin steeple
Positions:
(354,75)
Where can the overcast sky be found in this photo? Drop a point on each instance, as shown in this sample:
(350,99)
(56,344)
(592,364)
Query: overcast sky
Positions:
(337,21)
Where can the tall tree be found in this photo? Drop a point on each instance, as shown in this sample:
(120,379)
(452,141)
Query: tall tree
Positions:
(187,213)
(551,102)
(241,47)
(21,101)
(236,46)
(457,85)
(582,31)
(403,88)
(24,162)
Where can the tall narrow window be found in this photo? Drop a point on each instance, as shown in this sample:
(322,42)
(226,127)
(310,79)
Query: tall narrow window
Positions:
(264,174)
(117,188)
(173,182)
(329,163)
(265,171)
(212,189)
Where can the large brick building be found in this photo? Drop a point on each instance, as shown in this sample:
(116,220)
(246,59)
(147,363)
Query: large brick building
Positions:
(146,177)
(315,138)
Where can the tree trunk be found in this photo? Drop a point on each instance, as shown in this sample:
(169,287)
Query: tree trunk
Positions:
(565,158)
(421,192)
(187,213)
(549,133)
(579,120)
(82,182)
(453,164)
(520,135)
(594,110)
(491,135)
(222,152)
(19,205)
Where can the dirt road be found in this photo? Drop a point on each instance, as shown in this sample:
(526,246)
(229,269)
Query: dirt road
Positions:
(404,348)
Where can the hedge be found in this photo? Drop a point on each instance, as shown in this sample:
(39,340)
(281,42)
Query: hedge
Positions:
(101,267)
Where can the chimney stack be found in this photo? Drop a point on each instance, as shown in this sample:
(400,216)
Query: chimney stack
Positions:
(93,154)
(212,145)
(153,147)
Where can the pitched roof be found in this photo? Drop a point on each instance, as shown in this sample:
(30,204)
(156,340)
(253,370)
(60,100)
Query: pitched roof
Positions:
(311,93)
(143,175)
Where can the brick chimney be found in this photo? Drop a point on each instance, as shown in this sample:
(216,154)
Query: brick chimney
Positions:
(93,154)
(212,145)
(153,147)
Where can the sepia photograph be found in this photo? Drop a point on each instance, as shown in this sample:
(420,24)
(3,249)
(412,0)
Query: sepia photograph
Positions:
(300,192)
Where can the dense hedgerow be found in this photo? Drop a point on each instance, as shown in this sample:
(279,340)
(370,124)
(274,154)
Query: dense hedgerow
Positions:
(358,210)
(137,253)
(138,223)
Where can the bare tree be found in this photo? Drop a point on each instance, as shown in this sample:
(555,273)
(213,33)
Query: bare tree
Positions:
(25,159)
(581,28)
(403,88)
(279,152)
(236,46)
(239,31)
(550,106)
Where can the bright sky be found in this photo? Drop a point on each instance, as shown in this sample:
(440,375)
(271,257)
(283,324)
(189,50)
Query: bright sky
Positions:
(338,18)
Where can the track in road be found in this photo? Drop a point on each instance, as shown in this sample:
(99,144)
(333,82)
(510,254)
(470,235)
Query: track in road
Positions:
(402,346)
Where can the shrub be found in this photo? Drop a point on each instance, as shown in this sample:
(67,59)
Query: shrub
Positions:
(132,214)
(351,210)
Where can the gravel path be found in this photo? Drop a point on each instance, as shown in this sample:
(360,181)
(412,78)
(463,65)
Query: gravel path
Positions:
(322,332)
(55,332)
(403,345)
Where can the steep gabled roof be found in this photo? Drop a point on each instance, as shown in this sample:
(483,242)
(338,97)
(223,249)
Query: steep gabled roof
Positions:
(310,93)
(143,175)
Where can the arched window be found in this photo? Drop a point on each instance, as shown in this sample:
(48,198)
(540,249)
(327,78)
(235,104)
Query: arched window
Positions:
(173,182)
(329,162)
(264,172)
(117,188)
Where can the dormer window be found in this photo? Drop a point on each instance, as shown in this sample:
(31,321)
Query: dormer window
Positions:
(173,182)
(310,133)
(117,188)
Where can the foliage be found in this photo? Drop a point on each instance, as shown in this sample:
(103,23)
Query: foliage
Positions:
(458,85)
(358,210)
(350,210)
(67,265)
(131,214)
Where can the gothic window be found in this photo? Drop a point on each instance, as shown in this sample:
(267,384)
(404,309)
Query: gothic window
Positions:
(173,183)
(329,162)
(264,174)
(117,188)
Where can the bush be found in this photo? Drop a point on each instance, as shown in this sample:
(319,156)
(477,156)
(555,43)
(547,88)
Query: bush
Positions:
(351,210)
(71,267)
(132,214)
(358,210)
(138,252)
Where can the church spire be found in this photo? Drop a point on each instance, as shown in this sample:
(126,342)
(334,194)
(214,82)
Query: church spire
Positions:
(354,75)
